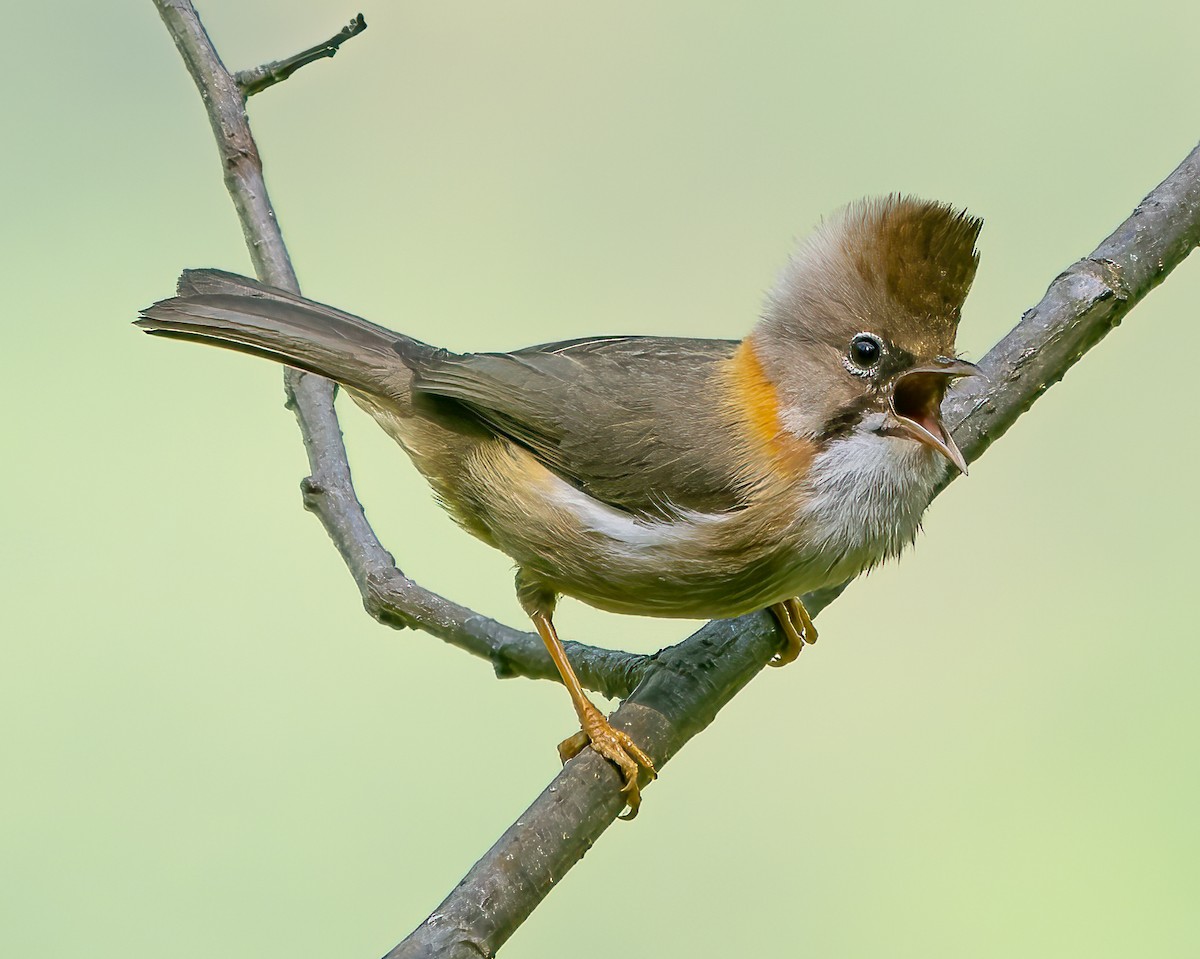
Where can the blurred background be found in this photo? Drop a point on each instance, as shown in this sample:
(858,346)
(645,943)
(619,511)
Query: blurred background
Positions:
(209,749)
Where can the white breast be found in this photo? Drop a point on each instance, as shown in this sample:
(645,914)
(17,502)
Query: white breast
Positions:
(866,494)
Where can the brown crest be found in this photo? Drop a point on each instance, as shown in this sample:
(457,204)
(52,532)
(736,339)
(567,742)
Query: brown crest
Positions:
(924,252)
(894,265)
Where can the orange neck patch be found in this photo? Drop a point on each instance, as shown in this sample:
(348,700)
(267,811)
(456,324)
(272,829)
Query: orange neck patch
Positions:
(756,403)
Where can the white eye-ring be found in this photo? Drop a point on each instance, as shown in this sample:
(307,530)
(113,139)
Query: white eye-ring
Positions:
(864,354)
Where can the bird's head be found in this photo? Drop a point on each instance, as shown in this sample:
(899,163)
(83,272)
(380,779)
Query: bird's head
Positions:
(858,334)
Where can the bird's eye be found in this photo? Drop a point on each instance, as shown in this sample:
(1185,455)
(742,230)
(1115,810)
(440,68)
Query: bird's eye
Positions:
(866,350)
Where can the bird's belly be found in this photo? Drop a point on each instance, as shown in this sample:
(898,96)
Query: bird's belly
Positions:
(684,569)
(861,502)
(693,565)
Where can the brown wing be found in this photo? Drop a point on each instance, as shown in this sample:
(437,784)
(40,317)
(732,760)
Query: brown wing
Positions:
(632,421)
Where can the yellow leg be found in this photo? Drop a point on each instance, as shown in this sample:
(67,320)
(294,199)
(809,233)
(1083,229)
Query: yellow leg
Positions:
(613,744)
(797,629)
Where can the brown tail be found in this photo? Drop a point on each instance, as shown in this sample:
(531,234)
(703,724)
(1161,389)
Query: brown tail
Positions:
(235,312)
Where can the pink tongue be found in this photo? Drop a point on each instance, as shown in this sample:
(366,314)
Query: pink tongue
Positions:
(929,421)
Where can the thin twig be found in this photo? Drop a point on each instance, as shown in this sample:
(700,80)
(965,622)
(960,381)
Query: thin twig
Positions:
(257,79)
(686,686)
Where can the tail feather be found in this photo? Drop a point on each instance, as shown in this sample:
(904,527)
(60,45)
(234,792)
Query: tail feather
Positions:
(235,312)
(201,282)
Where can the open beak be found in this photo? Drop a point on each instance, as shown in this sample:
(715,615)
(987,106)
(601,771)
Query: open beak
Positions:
(916,405)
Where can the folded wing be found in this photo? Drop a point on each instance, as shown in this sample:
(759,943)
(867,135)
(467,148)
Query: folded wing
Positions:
(635,422)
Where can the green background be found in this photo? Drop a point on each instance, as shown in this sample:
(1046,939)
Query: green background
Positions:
(206,747)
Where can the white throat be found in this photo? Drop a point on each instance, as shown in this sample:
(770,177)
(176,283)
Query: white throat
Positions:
(865,495)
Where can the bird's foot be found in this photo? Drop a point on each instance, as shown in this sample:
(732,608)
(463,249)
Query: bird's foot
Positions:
(797,627)
(617,747)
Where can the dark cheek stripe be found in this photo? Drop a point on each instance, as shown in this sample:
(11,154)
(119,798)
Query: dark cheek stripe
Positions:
(844,419)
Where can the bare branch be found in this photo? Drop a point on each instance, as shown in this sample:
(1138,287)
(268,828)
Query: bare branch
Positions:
(687,685)
(1082,304)
(239,153)
(388,595)
(258,79)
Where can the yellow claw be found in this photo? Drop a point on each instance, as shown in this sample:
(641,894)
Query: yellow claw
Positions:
(617,747)
(797,628)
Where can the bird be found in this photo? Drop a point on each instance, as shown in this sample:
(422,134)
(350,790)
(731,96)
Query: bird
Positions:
(668,476)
